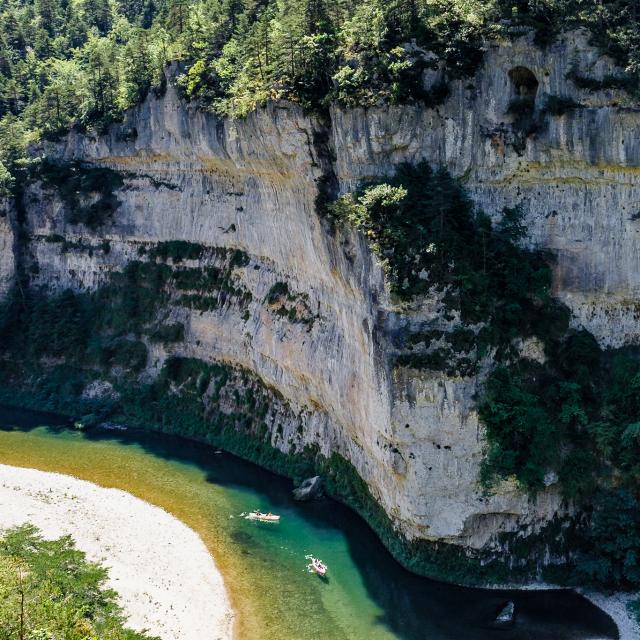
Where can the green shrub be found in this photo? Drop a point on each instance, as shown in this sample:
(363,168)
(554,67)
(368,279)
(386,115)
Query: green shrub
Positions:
(177,251)
(525,121)
(612,540)
(560,105)
(54,238)
(168,333)
(276,292)
(576,415)
(129,354)
(521,106)
(623,82)
(238,258)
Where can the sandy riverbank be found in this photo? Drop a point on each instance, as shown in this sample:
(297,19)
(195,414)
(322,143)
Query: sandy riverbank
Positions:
(616,606)
(166,580)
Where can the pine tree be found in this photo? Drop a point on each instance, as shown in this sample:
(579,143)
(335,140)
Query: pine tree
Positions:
(48,12)
(97,14)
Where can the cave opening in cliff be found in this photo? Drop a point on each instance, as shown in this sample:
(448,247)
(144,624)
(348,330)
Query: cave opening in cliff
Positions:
(524,82)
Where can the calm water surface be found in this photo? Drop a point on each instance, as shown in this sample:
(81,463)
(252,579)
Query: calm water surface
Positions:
(367,595)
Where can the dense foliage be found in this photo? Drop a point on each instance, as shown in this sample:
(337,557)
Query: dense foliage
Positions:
(613,540)
(579,414)
(70,63)
(430,237)
(102,329)
(49,590)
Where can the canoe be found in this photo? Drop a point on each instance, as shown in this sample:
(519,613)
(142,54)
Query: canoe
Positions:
(262,517)
(317,566)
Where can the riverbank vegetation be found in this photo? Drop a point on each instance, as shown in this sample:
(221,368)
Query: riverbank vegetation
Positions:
(82,63)
(48,589)
(231,408)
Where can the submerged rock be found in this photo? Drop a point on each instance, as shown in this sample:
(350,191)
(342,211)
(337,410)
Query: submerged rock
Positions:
(311,488)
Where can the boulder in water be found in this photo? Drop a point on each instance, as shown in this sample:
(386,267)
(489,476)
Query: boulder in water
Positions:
(311,488)
(507,615)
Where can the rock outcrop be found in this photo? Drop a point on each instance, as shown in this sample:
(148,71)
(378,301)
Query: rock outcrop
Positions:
(309,489)
(506,617)
(324,341)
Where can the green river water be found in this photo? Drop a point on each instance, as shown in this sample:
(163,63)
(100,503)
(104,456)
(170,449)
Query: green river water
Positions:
(367,595)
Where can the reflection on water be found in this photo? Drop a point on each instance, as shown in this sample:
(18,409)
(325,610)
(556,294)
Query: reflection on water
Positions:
(366,596)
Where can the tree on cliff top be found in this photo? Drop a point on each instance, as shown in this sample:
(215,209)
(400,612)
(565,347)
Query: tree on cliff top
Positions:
(84,62)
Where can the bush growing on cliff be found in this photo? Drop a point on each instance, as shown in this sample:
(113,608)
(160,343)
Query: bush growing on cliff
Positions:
(168,333)
(87,192)
(177,251)
(613,540)
(560,105)
(49,590)
(577,414)
(429,235)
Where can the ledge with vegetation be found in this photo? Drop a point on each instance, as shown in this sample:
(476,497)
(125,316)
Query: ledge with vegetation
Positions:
(574,417)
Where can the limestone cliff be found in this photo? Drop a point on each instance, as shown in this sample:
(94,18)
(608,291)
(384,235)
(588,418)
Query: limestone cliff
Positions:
(7,256)
(325,341)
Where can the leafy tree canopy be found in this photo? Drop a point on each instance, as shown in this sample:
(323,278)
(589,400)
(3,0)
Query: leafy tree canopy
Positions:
(49,590)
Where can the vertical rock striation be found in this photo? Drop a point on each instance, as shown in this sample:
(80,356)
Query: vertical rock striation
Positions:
(7,250)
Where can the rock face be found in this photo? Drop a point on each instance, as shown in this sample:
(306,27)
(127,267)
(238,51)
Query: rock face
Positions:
(577,178)
(7,256)
(309,489)
(506,617)
(413,436)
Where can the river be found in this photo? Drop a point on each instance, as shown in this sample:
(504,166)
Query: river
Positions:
(366,596)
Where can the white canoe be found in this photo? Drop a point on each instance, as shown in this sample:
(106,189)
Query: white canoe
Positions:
(317,566)
(262,517)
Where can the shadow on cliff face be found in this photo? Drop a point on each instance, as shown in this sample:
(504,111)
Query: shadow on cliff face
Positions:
(412,607)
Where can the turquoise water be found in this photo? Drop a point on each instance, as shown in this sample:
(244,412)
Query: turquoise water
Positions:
(366,596)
